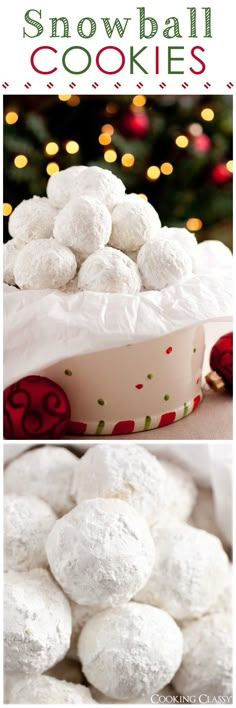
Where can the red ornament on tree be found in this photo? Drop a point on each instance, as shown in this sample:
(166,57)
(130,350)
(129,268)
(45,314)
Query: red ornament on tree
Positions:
(202,143)
(221,359)
(35,408)
(220,173)
(134,124)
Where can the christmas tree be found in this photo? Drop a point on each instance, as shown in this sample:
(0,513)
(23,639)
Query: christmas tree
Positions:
(176,151)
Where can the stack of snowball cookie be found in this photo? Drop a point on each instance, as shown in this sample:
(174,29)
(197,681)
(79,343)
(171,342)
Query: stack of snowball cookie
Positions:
(113,594)
(87,234)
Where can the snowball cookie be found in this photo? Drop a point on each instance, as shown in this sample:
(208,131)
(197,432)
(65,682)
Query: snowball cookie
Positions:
(109,271)
(131,651)
(32,219)
(46,689)
(207,658)
(185,238)
(101,184)
(80,615)
(162,263)
(134,222)
(27,523)
(37,621)
(44,264)
(84,225)
(190,571)
(101,552)
(61,185)
(66,670)
(158,491)
(224,602)
(165,692)
(47,472)
(10,253)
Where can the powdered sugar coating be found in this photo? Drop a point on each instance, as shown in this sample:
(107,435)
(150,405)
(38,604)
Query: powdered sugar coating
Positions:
(37,625)
(32,219)
(84,225)
(134,222)
(207,659)
(162,263)
(47,472)
(130,652)
(185,238)
(48,690)
(62,185)
(101,698)
(27,523)
(101,184)
(10,253)
(158,491)
(80,615)
(44,264)
(109,270)
(189,573)
(101,553)
(178,495)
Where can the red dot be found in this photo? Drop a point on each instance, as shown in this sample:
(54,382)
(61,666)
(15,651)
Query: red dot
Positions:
(168,350)
(139,386)
(123,427)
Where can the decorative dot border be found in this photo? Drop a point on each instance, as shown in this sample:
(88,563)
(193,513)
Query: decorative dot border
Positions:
(162,85)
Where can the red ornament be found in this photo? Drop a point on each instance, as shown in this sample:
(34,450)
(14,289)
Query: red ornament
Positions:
(35,408)
(134,125)
(221,359)
(202,143)
(220,173)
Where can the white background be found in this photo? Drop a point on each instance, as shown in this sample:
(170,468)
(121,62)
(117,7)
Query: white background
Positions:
(218,55)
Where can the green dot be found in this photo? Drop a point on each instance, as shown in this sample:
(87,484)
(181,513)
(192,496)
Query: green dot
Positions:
(194,350)
(166,397)
(149,376)
(185,408)
(68,372)
(100,402)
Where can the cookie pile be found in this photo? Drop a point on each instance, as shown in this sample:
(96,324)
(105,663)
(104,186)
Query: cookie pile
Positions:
(88,234)
(111,593)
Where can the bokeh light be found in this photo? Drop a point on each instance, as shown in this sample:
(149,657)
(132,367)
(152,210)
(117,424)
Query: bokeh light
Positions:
(72,147)
(52,167)
(11,117)
(194,224)
(20,161)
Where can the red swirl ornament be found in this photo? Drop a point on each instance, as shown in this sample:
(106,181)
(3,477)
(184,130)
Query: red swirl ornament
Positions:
(35,408)
(221,359)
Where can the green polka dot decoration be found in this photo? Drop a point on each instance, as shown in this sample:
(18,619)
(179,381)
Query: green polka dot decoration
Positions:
(166,397)
(149,376)
(194,350)
(68,372)
(185,409)
(100,402)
